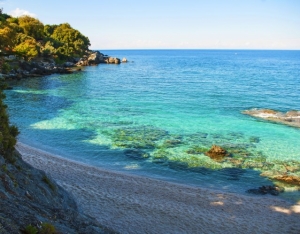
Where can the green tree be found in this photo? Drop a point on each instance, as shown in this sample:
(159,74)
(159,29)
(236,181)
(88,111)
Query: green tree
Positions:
(32,27)
(3,16)
(7,35)
(8,133)
(49,29)
(72,42)
(48,49)
(28,49)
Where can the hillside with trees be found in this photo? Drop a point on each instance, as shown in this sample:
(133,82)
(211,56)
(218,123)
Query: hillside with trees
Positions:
(28,37)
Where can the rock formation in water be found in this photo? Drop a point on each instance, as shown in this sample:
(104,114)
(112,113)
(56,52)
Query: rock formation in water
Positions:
(291,118)
(95,57)
(217,153)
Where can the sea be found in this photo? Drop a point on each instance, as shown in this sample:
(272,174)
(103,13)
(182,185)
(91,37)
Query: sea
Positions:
(158,114)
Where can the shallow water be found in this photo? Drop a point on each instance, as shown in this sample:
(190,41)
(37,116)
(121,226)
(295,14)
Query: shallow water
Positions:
(157,114)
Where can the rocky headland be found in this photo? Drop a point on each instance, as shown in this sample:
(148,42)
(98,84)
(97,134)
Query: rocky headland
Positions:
(41,66)
(290,118)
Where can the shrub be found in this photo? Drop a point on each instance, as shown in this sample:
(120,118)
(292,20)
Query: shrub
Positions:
(6,68)
(30,230)
(8,133)
(47,228)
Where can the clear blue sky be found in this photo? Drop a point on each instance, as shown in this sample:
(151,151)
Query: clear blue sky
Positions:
(167,24)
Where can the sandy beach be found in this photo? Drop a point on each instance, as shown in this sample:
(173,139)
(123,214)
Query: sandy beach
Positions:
(133,204)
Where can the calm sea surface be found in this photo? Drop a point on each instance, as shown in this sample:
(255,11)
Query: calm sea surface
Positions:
(157,114)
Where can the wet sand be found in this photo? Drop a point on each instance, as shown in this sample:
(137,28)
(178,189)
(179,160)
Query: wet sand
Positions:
(133,204)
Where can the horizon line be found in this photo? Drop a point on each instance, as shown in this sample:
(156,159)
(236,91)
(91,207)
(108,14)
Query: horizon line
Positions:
(195,49)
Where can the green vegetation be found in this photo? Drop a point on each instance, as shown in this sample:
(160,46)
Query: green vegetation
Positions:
(8,133)
(46,228)
(30,230)
(27,37)
(48,182)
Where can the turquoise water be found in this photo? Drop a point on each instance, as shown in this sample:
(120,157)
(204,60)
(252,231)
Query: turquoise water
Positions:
(155,115)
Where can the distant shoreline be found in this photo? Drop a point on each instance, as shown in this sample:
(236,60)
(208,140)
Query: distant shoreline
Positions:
(132,204)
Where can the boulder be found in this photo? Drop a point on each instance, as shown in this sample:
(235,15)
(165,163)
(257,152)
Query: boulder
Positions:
(95,58)
(217,153)
(124,60)
(82,62)
(112,60)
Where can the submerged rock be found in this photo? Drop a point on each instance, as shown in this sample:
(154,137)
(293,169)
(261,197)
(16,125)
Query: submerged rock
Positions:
(217,153)
(197,150)
(136,154)
(267,189)
(170,143)
(137,137)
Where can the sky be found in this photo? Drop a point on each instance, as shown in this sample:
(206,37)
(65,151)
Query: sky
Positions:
(173,24)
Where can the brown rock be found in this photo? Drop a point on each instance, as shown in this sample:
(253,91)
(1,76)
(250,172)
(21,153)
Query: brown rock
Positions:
(217,153)
(289,179)
(268,111)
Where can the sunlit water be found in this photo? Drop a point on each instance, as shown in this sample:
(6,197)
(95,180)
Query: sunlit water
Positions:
(149,115)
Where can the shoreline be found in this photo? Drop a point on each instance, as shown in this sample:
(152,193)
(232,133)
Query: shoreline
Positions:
(133,204)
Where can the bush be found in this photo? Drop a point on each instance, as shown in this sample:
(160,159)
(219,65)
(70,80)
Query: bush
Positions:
(5,68)
(30,230)
(47,228)
(8,133)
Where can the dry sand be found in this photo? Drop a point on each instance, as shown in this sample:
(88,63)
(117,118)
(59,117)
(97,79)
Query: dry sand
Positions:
(133,204)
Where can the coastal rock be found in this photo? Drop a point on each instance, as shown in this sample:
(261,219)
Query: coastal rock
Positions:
(124,60)
(217,153)
(290,118)
(289,179)
(112,60)
(95,58)
(82,62)
(41,66)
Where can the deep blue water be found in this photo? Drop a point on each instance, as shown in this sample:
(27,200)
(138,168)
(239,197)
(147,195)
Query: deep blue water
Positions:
(149,115)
